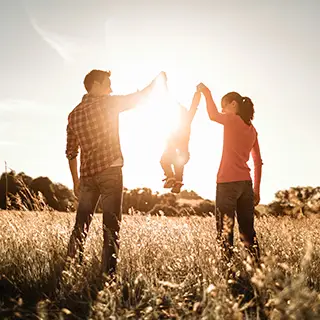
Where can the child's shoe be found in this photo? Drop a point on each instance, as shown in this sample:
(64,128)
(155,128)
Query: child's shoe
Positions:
(169,182)
(177,187)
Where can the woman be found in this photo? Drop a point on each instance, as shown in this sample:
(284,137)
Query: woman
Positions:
(235,192)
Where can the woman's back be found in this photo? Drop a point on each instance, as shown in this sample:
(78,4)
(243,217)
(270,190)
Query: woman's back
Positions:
(239,139)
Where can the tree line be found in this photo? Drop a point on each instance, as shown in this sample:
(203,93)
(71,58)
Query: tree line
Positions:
(18,191)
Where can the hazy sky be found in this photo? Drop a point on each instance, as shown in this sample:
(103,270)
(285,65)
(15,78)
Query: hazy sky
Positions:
(267,50)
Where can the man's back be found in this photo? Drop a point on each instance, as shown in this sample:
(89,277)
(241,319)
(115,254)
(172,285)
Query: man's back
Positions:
(94,127)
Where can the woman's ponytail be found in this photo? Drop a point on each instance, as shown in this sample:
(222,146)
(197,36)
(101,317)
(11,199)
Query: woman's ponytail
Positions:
(245,106)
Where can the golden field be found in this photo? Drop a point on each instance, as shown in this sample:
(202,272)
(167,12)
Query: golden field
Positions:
(169,268)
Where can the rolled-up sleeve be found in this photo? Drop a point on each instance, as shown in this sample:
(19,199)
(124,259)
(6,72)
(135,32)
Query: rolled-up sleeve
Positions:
(72,148)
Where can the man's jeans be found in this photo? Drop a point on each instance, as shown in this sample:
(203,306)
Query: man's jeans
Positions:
(236,198)
(108,187)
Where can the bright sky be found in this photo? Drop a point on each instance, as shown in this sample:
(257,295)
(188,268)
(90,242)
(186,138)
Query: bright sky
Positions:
(268,50)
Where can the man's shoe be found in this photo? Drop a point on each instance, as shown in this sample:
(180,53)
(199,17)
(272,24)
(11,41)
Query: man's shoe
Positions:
(177,187)
(169,182)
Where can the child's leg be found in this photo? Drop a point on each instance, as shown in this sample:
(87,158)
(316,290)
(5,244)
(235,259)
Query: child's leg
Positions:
(180,161)
(178,181)
(166,164)
(166,161)
(179,169)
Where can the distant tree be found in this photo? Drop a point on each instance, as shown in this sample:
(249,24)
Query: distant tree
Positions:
(25,193)
(190,195)
(14,186)
(169,199)
(140,199)
(25,178)
(46,187)
(205,208)
(65,197)
(295,202)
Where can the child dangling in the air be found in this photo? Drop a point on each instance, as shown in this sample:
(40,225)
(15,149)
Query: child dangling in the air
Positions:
(176,155)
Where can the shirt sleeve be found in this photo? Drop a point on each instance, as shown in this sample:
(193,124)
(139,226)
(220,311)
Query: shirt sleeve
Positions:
(126,102)
(72,148)
(191,113)
(212,110)
(256,156)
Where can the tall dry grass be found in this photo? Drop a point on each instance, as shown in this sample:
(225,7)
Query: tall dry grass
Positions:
(169,268)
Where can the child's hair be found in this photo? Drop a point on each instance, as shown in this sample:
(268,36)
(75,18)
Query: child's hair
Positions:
(245,106)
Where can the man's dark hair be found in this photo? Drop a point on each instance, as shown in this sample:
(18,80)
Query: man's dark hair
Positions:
(95,75)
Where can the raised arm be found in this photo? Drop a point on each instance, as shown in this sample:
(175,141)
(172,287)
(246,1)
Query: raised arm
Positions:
(212,110)
(129,101)
(194,106)
(256,156)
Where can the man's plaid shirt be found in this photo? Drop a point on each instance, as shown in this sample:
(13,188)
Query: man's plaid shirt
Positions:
(94,127)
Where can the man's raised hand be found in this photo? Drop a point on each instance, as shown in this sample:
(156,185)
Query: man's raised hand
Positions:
(196,98)
(161,78)
(162,75)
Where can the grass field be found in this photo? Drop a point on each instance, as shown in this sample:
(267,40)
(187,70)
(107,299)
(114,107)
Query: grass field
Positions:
(169,269)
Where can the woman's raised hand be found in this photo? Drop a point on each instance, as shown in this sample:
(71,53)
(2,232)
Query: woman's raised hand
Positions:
(201,87)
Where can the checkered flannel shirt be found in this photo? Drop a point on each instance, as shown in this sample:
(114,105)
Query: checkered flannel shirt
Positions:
(93,126)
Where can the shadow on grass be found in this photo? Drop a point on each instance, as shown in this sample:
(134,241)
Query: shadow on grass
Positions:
(46,300)
(241,288)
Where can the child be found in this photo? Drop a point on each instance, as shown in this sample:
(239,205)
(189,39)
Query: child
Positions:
(176,154)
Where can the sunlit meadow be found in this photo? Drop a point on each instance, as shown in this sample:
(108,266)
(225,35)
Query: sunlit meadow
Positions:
(169,268)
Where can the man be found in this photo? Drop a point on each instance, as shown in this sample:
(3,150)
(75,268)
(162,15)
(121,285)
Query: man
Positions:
(94,127)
